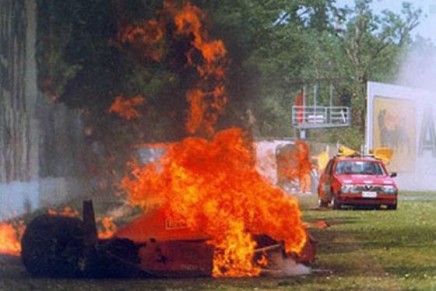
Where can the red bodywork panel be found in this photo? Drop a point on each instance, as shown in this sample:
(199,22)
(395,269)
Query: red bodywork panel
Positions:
(155,225)
(169,248)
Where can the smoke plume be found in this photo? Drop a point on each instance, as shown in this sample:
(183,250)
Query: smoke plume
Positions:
(418,68)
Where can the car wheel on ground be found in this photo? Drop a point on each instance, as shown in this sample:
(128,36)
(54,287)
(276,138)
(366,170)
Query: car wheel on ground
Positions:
(335,204)
(392,207)
(53,246)
(322,203)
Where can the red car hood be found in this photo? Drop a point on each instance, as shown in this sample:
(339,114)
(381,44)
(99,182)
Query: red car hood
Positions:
(365,179)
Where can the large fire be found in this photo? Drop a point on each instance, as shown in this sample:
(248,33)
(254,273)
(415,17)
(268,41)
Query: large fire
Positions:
(214,186)
(211,183)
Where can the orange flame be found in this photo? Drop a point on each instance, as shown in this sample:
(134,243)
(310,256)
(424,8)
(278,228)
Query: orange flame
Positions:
(126,108)
(204,112)
(206,105)
(214,187)
(66,211)
(10,237)
(295,164)
(146,36)
(108,228)
(212,184)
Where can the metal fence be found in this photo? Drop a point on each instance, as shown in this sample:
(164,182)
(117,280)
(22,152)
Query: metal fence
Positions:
(320,116)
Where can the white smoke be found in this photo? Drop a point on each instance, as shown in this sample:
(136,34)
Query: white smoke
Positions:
(18,198)
(418,68)
(416,80)
(122,211)
(285,267)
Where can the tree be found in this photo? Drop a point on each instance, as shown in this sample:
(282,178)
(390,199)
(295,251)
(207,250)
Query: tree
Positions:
(371,44)
(274,47)
(269,47)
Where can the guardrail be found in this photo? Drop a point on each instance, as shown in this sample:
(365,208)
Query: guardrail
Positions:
(320,116)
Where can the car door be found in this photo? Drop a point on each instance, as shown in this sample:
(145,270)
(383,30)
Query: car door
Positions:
(324,188)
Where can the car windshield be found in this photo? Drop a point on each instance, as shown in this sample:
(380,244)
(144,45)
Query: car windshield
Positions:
(359,168)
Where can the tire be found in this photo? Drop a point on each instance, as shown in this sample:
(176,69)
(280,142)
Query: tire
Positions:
(335,204)
(392,207)
(53,246)
(322,203)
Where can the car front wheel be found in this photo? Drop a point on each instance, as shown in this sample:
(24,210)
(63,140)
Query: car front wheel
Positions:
(335,203)
(392,207)
(322,203)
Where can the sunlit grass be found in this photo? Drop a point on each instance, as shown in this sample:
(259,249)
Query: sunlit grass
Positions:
(378,246)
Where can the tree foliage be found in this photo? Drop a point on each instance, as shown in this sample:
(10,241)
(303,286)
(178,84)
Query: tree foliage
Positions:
(275,47)
(371,44)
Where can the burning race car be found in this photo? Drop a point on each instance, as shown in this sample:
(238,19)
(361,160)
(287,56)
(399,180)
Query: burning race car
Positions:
(60,246)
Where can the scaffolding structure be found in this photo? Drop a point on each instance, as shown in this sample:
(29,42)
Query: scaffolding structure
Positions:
(305,117)
(316,116)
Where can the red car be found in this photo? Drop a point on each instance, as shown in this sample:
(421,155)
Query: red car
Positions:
(357,181)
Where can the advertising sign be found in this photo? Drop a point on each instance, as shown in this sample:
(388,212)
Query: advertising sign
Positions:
(402,118)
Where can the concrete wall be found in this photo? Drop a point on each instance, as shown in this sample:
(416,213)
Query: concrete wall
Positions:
(39,140)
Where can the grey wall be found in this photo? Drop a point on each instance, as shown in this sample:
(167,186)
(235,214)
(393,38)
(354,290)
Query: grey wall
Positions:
(40,141)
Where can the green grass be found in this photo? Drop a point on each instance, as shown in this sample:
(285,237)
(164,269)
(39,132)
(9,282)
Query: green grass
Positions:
(359,250)
(369,249)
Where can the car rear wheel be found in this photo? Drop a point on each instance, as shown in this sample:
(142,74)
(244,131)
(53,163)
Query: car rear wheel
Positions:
(53,246)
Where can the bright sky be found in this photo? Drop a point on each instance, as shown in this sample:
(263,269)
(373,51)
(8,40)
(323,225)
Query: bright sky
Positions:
(427,27)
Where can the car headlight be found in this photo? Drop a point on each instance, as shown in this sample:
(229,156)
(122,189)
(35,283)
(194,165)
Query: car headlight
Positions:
(389,189)
(349,188)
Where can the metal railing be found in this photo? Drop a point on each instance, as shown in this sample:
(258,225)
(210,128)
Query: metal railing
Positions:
(320,116)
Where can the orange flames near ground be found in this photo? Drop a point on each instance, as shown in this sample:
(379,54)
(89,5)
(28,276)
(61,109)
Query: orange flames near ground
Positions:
(10,235)
(106,227)
(214,187)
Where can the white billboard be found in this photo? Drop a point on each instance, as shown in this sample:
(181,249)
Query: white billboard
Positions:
(403,119)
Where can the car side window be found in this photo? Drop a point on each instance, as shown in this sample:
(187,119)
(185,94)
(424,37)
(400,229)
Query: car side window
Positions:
(340,168)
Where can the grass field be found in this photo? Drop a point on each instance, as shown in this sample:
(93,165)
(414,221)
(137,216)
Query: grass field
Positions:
(359,250)
(375,249)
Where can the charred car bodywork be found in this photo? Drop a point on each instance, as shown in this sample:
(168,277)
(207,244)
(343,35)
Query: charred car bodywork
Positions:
(58,246)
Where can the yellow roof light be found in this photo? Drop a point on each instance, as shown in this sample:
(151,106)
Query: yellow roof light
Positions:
(384,154)
(345,151)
